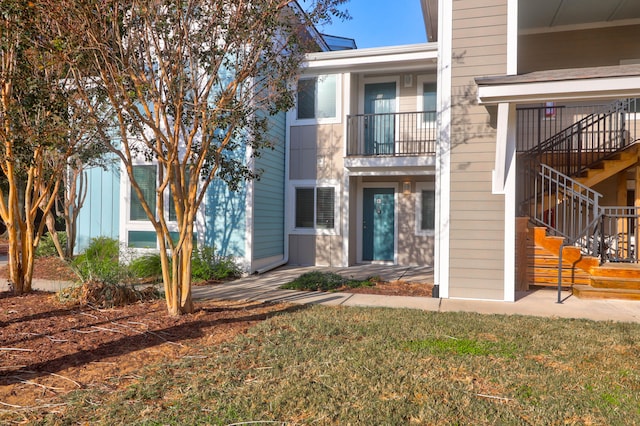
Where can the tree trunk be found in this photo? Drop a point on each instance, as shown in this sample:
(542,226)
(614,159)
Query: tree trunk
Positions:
(16,277)
(73,200)
(186,303)
(176,274)
(51,226)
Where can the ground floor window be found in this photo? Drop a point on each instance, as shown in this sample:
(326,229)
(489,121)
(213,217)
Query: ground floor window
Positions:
(425,208)
(139,230)
(146,177)
(314,206)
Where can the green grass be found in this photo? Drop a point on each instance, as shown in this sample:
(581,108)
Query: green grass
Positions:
(336,365)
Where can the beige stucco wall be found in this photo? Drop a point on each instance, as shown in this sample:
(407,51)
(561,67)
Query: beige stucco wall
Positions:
(476,251)
(578,49)
(316,153)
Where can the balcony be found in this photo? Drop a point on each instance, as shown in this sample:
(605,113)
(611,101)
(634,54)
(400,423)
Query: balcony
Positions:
(401,134)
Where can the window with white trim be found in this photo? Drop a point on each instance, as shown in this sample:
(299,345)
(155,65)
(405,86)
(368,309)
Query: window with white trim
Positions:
(317,98)
(146,177)
(425,208)
(315,207)
(427,99)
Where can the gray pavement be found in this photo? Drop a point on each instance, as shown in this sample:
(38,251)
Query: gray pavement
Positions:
(536,303)
(265,288)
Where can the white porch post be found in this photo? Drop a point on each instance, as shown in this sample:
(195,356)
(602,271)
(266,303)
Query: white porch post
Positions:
(443,154)
(504,182)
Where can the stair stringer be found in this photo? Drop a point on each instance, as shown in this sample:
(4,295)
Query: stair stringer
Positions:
(610,167)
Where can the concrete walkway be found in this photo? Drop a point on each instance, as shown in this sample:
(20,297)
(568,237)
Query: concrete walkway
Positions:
(536,303)
(265,288)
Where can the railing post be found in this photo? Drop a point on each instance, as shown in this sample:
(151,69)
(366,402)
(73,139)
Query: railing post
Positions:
(560,272)
(623,128)
(349,134)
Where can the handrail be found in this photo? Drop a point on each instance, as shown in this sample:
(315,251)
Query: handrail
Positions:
(589,140)
(560,203)
(538,123)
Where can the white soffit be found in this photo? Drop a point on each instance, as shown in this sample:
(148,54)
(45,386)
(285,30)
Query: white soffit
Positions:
(554,15)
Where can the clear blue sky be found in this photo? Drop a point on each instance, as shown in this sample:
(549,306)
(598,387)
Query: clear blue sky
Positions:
(377,23)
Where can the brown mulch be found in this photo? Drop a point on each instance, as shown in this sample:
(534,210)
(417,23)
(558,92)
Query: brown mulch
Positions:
(394,288)
(48,268)
(48,349)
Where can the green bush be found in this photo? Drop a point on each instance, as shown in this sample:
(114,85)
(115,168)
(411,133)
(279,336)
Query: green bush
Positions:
(147,266)
(46,248)
(100,262)
(206,265)
(326,281)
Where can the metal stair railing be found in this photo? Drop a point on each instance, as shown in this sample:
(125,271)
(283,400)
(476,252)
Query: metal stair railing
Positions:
(561,204)
(618,233)
(571,210)
(589,140)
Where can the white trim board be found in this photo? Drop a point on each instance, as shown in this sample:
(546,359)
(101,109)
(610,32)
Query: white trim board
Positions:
(582,89)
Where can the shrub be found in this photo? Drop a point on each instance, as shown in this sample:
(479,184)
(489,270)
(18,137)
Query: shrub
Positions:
(147,266)
(326,281)
(206,265)
(46,248)
(100,262)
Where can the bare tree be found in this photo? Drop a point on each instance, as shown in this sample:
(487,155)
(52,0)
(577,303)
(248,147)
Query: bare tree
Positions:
(191,83)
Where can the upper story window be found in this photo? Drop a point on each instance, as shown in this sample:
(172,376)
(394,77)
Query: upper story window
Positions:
(317,99)
(427,99)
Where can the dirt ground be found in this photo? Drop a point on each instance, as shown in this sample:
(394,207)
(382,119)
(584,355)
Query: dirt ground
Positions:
(48,349)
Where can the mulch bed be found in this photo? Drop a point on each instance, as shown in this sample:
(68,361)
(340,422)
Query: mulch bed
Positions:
(48,349)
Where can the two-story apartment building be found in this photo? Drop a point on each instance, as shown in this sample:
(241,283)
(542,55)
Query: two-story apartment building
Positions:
(361,161)
(446,154)
(416,155)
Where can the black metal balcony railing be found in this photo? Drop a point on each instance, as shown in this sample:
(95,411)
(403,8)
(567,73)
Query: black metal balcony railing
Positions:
(589,140)
(396,134)
(599,122)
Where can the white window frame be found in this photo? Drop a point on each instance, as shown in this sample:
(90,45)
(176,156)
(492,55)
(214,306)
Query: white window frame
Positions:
(143,225)
(422,79)
(323,120)
(314,184)
(423,186)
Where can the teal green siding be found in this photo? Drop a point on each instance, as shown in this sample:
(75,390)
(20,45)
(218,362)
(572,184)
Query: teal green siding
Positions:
(99,216)
(225,218)
(268,205)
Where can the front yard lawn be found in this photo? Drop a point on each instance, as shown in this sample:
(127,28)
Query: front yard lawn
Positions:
(335,365)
